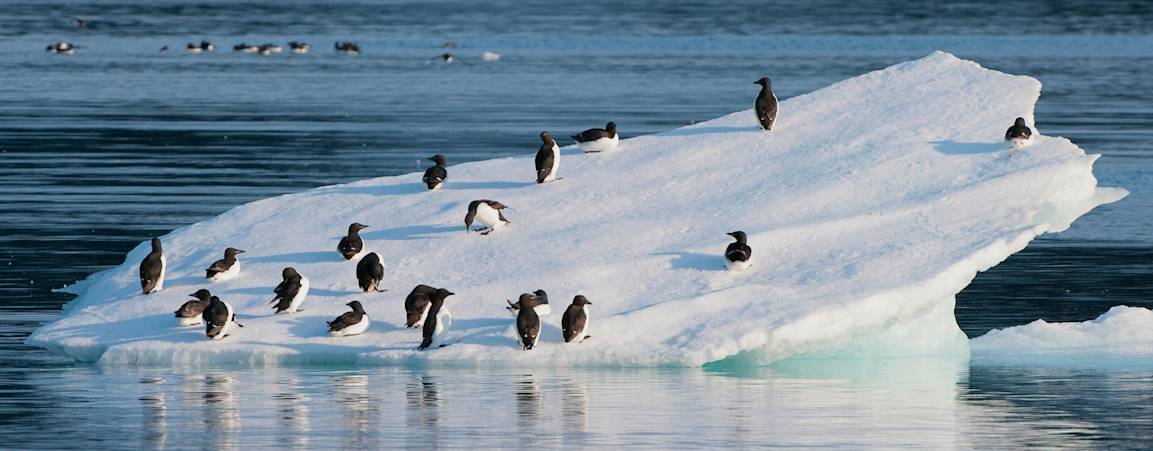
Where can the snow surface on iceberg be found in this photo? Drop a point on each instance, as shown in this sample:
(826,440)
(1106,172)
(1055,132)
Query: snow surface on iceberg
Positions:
(871,203)
(1121,336)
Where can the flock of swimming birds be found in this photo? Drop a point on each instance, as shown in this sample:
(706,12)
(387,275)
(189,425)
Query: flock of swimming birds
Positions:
(424,305)
(295,47)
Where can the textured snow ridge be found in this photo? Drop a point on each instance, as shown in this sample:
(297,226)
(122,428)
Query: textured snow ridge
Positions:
(870,204)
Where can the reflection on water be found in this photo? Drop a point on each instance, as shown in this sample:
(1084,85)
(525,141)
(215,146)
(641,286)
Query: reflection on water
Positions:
(926,403)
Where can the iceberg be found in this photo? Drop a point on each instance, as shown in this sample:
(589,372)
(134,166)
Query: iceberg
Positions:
(870,204)
(1120,337)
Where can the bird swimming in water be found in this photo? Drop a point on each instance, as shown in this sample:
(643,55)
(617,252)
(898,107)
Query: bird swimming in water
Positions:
(64,48)
(298,48)
(347,48)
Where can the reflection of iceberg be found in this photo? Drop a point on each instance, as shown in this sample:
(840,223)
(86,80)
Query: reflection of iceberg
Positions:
(221,414)
(1121,337)
(293,407)
(871,203)
(358,408)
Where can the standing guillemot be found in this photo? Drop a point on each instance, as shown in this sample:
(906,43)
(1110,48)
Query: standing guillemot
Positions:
(1019,134)
(738,254)
(437,322)
(351,245)
(434,176)
(218,319)
(527,321)
(575,321)
(766,104)
(547,159)
(152,269)
(487,212)
(369,272)
(416,305)
(190,313)
(62,47)
(350,323)
(541,305)
(225,268)
(291,292)
(598,139)
(347,48)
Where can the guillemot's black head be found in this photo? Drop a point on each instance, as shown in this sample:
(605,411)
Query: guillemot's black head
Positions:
(739,235)
(541,296)
(232,251)
(611,127)
(764,81)
(527,300)
(356,227)
(1020,121)
(289,273)
(580,299)
(356,307)
(441,294)
(215,300)
(202,295)
(438,159)
(545,137)
(156,245)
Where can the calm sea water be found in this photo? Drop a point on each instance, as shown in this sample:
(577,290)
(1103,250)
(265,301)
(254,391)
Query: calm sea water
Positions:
(105,148)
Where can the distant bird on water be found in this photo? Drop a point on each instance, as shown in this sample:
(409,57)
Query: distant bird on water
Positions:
(598,139)
(766,104)
(246,48)
(152,269)
(64,48)
(738,254)
(299,48)
(348,48)
(81,23)
(1019,134)
(203,46)
(351,245)
(434,176)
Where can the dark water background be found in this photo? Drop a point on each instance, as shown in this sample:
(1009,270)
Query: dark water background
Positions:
(118,143)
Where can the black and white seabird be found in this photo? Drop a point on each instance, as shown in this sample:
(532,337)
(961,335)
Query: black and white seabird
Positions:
(203,46)
(575,322)
(351,245)
(416,305)
(298,48)
(738,255)
(766,104)
(547,159)
(246,48)
(348,48)
(541,304)
(191,312)
(527,321)
(369,272)
(487,212)
(1019,134)
(291,292)
(349,323)
(219,317)
(434,177)
(81,23)
(438,322)
(62,47)
(598,139)
(225,268)
(152,269)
